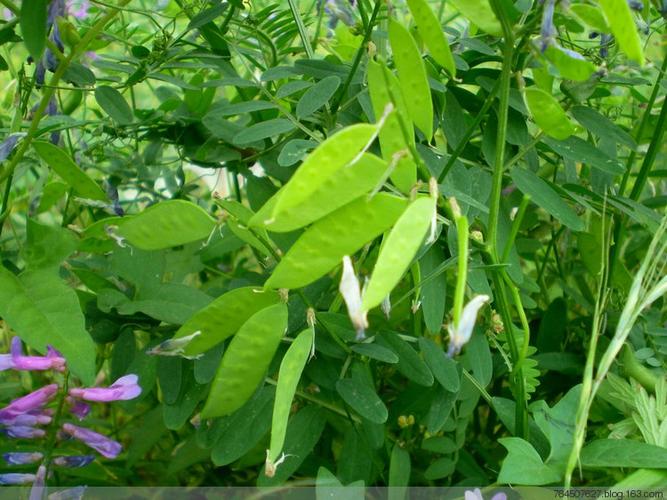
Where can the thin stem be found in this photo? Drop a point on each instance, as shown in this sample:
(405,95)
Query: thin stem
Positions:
(516,225)
(302,28)
(357,59)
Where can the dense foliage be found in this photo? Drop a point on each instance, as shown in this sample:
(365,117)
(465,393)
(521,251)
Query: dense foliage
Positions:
(415,242)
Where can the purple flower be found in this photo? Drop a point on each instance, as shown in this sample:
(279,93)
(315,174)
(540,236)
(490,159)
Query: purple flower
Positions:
(16,478)
(6,362)
(122,389)
(29,402)
(52,361)
(78,408)
(23,432)
(636,5)
(6,148)
(102,444)
(69,494)
(38,487)
(22,458)
(29,419)
(73,461)
(548,30)
(78,8)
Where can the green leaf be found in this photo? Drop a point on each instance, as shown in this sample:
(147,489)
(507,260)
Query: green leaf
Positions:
(399,468)
(317,96)
(571,65)
(548,114)
(113,103)
(622,23)
(167,224)
(377,352)
(409,362)
(579,150)
(43,311)
(623,453)
(545,196)
(48,246)
(223,317)
(294,151)
(359,393)
(441,468)
(479,357)
(443,367)
(590,15)
(523,465)
(263,130)
(433,288)
(33,18)
(68,171)
(603,127)
(291,368)
(412,77)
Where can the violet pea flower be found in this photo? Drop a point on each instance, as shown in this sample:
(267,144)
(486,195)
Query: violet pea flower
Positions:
(78,408)
(100,443)
(39,485)
(75,493)
(29,402)
(73,461)
(6,362)
(52,361)
(78,8)
(15,478)
(22,458)
(23,432)
(122,389)
(27,419)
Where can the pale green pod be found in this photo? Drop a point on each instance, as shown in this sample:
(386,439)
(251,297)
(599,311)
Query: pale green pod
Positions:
(392,138)
(223,317)
(619,17)
(350,182)
(548,114)
(326,160)
(480,13)
(343,232)
(398,250)
(412,77)
(433,35)
(245,361)
(291,368)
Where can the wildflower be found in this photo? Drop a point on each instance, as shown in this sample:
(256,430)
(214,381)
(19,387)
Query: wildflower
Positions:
(351,292)
(175,347)
(75,493)
(460,334)
(52,361)
(636,5)
(476,494)
(77,8)
(9,144)
(548,30)
(22,457)
(38,485)
(100,443)
(23,432)
(15,478)
(29,402)
(78,408)
(386,306)
(73,461)
(122,389)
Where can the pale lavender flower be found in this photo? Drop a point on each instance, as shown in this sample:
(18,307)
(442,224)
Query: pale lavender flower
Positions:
(122,389)
(52,361)
(6,362)
(29,402)
(23,432)
(9,144)
(74,461)
(78,408)
(30,419)
(38,486)
(78,8)
(476,494)
(100,443)
(15,478)
(22,457)
(460,334)
(547,30)
(69,494)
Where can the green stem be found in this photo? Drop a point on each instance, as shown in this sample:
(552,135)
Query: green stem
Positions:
(462,277)
(302,28)
(516,225)
(357,58)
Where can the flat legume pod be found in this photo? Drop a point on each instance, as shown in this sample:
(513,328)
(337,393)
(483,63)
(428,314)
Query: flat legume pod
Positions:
(619,17)
(346,185)
(433,35)
(480,13)
(167,224)
(326,160)
(223,317)
(398,250)
(291,368)
(246,360)
(392,139)
(322,247)
(548,114)
(412,77)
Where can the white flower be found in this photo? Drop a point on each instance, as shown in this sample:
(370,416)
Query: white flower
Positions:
(460,334)
(351,292)
(175,347)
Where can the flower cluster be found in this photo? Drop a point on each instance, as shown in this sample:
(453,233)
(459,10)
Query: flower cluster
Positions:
(26,417)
